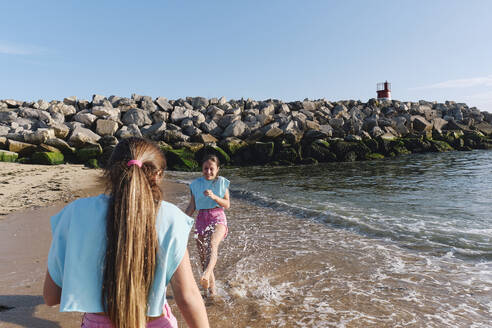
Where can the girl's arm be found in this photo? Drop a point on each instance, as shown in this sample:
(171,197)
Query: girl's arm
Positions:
(224,202)
(191,206)
(51,291)
(187,295)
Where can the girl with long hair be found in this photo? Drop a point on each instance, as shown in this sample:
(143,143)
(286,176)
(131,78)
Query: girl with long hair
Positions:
(113,255)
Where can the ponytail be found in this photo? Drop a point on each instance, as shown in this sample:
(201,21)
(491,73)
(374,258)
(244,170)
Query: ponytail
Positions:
(131,248)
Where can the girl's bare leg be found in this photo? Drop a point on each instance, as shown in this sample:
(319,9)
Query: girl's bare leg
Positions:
(208,279)
(201,244)
(212,289)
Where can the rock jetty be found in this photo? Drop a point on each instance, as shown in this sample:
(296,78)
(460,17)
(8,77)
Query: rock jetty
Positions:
(241,132)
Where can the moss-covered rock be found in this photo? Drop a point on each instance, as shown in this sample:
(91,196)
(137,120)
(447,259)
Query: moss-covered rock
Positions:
(349,151)
(48,158)
(244,156)
(454,138)
(374,156)
(8,156)
(88,152)
(440,146)
(398,148)
(191,146)
(24,160)
(474,139)
(372,144)
(287,155)
(263,152)
(164,146)
(232,145)
(181,160)
(319,150)
(417,145)
(223,157)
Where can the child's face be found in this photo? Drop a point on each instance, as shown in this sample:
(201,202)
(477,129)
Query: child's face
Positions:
(210,170)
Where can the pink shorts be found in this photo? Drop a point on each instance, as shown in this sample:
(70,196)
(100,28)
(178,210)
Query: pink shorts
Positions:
(91,320)
(208,218)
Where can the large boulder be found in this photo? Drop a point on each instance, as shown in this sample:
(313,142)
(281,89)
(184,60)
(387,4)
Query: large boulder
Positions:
(199,102)
(160,116)
(8,117)
(131,130)
(64,109)
(154,131)
(350,151)
(60,129)
(106,112)
(180,113)
(164,104)
(417,145)
(8,156)
(181,160)
(173,136)
(106,127)
(91,151)
(232,145)
(47,158)
(148,105)
(60,144)
(440,146)
(85,118)
(136,116)
(206,138)
(227,120)
(211,127)
(484,127)
(81,136)
(420,124)
(4,130)
(39,136)
(319,149)
(22,148)
(236,129)
(263,152)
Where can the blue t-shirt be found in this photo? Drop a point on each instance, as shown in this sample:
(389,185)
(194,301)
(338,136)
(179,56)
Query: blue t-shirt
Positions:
(198,186)
(76,257)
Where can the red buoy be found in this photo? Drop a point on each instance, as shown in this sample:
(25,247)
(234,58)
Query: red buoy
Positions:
(384,91)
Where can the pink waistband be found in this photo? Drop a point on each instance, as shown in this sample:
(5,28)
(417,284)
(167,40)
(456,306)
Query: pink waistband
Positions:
(211,210)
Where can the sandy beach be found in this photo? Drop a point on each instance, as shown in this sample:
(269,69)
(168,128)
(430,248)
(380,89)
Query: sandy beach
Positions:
(33,186)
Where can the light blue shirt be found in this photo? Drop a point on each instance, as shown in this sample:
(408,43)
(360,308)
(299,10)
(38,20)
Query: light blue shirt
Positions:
(76,257)
(198,186)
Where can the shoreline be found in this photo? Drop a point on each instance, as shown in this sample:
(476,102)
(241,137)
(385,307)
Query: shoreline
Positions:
(298,273)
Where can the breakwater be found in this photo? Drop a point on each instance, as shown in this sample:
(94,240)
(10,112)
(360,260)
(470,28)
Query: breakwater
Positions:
(241,132)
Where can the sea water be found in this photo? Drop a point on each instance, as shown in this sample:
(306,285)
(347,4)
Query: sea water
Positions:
(401,242)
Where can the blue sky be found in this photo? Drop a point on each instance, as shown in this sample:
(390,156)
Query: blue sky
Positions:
(290,50)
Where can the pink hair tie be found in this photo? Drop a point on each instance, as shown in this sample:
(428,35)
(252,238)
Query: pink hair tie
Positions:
(134,162)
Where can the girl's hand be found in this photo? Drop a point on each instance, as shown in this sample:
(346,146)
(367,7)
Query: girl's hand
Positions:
(209,193)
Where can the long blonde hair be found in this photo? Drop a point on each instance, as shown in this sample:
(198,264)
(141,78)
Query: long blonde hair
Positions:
(131,248)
